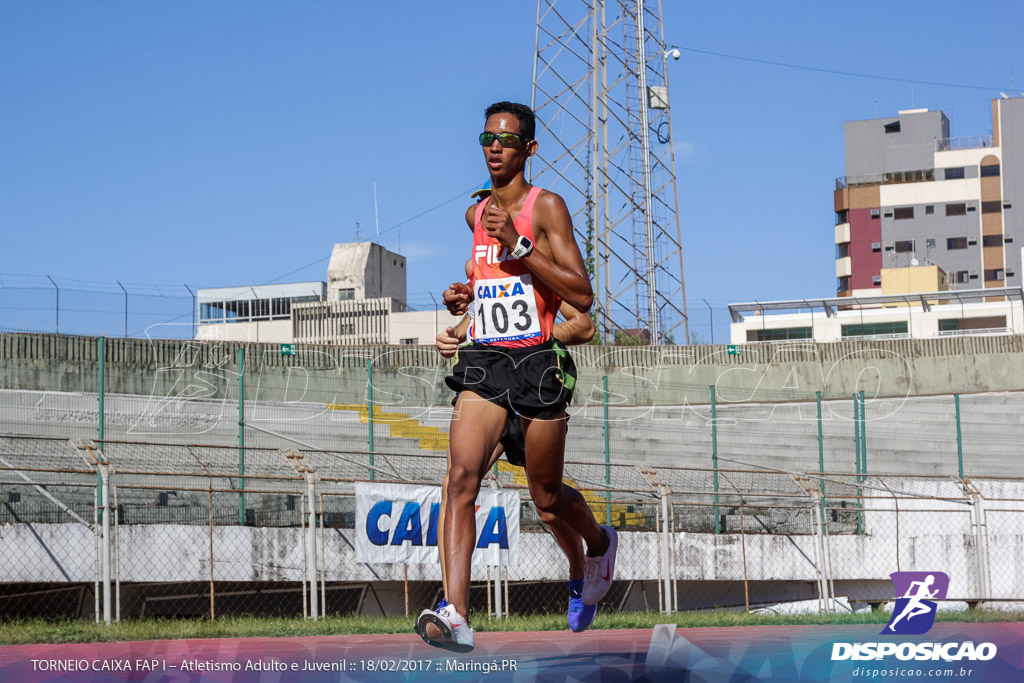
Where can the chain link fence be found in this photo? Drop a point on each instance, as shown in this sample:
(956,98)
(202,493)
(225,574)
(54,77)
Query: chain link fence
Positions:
(723,496)
(113,530)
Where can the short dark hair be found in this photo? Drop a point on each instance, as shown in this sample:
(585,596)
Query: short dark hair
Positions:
(527,119)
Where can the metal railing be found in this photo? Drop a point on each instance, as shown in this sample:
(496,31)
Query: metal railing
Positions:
(967,142)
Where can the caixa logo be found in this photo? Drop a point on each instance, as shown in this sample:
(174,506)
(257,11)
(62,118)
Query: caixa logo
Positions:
(410,528)
(914,614)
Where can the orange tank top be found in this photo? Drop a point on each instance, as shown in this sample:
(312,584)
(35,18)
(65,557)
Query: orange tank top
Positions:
(511,306)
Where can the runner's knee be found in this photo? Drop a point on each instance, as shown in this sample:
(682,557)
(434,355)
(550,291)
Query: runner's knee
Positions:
(462,482)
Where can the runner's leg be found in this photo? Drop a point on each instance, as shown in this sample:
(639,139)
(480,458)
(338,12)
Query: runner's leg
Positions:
(475,429)
(545,456)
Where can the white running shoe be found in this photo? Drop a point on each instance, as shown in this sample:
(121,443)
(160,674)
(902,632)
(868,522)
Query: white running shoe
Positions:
(599,571)
(445,628)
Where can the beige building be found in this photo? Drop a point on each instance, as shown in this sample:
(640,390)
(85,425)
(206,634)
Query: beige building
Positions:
(362,302)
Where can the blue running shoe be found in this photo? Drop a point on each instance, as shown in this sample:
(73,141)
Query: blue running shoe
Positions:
(581,615)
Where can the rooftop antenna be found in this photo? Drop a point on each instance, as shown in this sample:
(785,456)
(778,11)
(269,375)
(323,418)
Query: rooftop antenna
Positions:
(376,216)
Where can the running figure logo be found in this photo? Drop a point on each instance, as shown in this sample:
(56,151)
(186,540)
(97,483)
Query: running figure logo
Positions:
(919,590)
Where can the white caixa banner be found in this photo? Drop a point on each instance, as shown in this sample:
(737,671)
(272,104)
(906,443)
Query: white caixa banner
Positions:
(397,523)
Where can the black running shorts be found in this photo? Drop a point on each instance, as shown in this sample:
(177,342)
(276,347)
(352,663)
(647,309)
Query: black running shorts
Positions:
(534,381)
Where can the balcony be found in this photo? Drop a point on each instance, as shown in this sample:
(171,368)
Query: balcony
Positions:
(844,267)
(970,142)
(842,233)
(922,175)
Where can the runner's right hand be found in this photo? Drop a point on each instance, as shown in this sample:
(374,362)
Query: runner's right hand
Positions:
(447,343)
(457,297)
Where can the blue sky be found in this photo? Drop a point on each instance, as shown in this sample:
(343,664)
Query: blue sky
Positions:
(226,143)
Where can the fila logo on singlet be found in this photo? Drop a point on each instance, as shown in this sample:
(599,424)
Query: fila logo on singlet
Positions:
(490,253)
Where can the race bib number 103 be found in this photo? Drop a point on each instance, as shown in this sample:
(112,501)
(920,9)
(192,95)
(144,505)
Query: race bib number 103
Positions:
(505,309)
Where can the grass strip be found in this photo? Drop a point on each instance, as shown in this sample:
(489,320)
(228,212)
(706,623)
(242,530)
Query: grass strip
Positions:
(28,631)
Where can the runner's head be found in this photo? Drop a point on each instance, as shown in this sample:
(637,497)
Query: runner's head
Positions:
(507,139)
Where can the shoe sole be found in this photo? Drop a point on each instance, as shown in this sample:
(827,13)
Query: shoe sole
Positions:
(446,642)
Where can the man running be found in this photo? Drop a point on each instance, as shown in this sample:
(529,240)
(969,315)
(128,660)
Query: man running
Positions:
(525,263)
(577,328)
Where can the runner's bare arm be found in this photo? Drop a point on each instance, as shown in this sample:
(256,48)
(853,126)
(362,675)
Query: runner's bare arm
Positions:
(556,260)
(577,328)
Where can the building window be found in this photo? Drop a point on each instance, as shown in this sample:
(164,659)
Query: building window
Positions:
(903,213)
(960,276)
(347,328)
(971,206)
(842,250)
(973,275)
(1008,239)
(876,279)
(929,243)
(346,294)
(929,209)
(842,216)
(875,213)
(904,246)
(844,284)
(992,207)
(783,334)
(893,127)
(955,173)
(876,246)
(990,171)
(874,329)
(956,209)
(994,275)
(409,341)
(956,243)
(1007,205)
(1009,272)
(992,241)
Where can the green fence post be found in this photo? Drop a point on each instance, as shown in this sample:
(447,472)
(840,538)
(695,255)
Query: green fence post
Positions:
(856,443)
(369,411)
(821,458)
(714,458)
(241,437)
(607,456)
(959,439)
(101,421)
(863,438)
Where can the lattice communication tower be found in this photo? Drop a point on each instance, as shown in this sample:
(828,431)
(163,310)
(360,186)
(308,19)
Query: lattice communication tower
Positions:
(600,91)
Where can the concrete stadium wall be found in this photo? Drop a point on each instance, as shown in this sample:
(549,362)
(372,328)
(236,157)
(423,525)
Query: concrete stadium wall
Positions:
(413,375)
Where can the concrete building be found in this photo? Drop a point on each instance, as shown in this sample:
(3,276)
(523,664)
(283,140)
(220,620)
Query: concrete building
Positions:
(362,302)
(900,313)
(913,195)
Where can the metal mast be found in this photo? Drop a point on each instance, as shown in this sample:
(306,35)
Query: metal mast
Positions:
(600,90)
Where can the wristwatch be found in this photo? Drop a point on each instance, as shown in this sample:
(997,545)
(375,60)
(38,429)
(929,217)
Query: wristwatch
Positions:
(523,247)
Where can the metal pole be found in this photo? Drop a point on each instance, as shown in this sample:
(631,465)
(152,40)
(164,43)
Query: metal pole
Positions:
(105,474)
(607,456)
(667,575)
(863,438)
(57,330)
(645,144)
(856,444)
(714,458)
(241,438)
(314,607)
(959,438)
(369,412)
(821,458)
(102,348)
(194,306)
(711,316)
(102,344)
(125,307)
